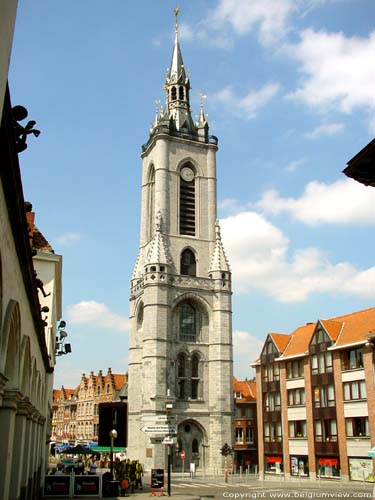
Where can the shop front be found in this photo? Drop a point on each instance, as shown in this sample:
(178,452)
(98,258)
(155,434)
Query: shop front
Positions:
(274,465)
(328,467)
(299,465)
(361,469)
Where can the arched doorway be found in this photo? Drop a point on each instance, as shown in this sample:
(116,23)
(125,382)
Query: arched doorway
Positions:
(190,437)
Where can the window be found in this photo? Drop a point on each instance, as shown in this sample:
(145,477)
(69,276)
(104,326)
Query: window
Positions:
(187,206)
(182,379)
(296,397)
(352,359)
(294,369)
(321,363)
(272,401)
(357,427)
(239,435)
(194,385)
(249,435)
(271,372)
(319,337)
(188,377)
(324,396)
(173,93)
(325,430)
(187,323)
(297,429)
(355,390)
(272,432)
(181,93)
(151,201)
(195,447)
(187,263)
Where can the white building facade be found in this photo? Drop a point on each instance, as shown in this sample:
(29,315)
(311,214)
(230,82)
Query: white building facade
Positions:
(180,351)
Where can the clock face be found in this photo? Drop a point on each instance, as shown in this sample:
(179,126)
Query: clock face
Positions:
(187,174)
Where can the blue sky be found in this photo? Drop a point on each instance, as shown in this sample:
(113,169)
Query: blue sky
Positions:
(290,94)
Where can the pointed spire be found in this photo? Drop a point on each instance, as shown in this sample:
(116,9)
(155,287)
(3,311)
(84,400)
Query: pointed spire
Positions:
(177,69)
(158,252)
(219,261)
(138,266)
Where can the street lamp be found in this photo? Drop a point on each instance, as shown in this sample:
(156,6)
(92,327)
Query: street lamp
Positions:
(113,436)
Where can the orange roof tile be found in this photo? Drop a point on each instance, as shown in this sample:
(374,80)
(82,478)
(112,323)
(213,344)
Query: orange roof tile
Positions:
(300,340)
(246,388)
(281,340)
(333,328)
(356,326)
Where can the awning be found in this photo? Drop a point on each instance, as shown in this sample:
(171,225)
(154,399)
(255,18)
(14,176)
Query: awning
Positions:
(371,453)
(107,449)
(328,461)
(274,460)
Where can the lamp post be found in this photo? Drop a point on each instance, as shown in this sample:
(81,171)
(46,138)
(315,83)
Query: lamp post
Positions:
(113,436)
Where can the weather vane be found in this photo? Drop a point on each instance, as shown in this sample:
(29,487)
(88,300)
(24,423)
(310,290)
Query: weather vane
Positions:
(176,12)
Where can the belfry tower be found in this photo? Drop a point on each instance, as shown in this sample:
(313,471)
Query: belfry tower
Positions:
(180,350)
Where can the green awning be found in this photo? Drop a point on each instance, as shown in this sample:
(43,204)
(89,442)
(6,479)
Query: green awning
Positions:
(107,449)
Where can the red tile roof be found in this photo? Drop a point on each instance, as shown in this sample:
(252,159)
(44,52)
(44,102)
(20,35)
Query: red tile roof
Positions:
(246,388)
(343,330)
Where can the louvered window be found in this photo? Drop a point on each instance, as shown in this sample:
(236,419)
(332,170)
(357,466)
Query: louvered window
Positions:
(187,207)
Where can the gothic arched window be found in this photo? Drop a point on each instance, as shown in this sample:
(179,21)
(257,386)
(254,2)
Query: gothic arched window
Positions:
(151,201)
(187,201)
(187,263)
(188,326)
(173,93)
(181,374)
(194,380)
(181,93)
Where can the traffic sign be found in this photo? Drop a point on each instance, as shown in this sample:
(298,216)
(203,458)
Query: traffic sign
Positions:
(158,429)
(182,455)
(170,440)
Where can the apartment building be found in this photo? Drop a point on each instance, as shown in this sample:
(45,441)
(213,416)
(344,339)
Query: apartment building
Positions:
(245,424)
(75,412)
(316,399)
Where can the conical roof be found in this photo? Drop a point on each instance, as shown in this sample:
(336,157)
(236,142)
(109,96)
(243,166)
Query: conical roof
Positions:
(219,261)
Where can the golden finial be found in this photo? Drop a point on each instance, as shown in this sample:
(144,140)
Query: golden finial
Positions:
(176,12)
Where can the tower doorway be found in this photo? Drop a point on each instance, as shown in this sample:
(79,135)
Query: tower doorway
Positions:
(190,437)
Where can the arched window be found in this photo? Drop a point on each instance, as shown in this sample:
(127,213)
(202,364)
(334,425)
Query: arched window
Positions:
(194,381)
(151,201)
(181,374)
(188,327)
(187,263)
(140,317)
(173,93)
(181,93)
(187,201)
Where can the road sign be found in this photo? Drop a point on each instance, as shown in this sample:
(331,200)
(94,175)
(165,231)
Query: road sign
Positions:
(170,440)
(182,455)
(158,429)
(155,418)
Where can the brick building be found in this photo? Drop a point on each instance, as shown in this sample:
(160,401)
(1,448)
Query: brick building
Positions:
(75,412)
(245,424)
(316,399)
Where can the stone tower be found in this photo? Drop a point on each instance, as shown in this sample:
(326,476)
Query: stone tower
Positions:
(180,349)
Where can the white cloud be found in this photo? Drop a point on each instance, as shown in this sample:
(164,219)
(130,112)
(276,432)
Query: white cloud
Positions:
(68,239)
(87,312)
(246,107)
(268,16)
(325,129)
(258,253)
(343,202)
(294,165)
(246,349)
(337,72)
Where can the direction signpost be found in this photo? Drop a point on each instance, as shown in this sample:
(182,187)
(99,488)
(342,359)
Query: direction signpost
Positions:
(156,428)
